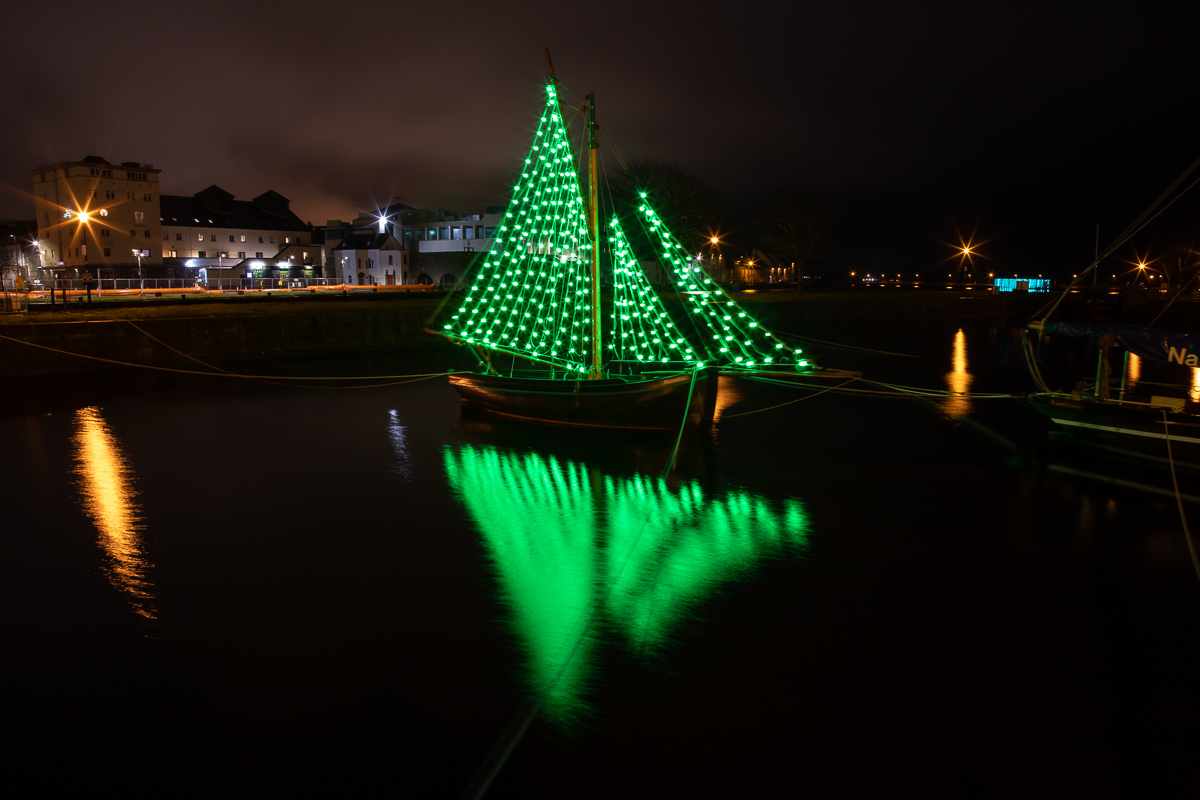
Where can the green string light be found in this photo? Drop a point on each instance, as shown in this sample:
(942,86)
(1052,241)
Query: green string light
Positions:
(733,338)
(531,295)
(642,329)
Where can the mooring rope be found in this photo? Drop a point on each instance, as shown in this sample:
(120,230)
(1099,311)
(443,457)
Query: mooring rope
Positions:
(1179,498)
(398,379)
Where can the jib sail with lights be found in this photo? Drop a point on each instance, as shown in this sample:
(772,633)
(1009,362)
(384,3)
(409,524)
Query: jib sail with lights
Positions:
(532,312)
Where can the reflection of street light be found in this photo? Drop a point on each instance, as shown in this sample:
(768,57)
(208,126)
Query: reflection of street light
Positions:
(141,277)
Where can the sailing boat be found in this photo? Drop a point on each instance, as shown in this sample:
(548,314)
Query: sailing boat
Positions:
(1142,414)
(1155,417)
(536,297)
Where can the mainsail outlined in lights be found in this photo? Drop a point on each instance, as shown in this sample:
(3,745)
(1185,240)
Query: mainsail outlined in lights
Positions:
(578,553)
(106,491)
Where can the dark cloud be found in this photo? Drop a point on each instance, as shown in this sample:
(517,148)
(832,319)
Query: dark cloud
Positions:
(1017,117)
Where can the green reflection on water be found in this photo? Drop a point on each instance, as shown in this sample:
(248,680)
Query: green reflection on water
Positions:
(573,548)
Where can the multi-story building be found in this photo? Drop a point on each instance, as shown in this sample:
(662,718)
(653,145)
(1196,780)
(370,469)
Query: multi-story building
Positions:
(18,252)
(220,237)
(93,215)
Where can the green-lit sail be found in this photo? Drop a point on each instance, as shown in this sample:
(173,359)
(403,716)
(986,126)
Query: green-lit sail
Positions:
(531,295)
(642,330)
(577,553)
(730,337)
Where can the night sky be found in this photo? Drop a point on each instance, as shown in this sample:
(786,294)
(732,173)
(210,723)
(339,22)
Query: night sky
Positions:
(910,121)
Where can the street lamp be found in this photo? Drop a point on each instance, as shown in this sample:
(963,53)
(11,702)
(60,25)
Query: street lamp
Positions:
(141,277)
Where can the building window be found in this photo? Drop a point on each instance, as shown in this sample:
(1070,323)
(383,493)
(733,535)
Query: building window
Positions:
(199,237)
(241,254)
(132,234)
(443,233)
(243,238)
(139,218)
(258,254)
(179,237)
(166,236)
(212,237)
(468,232)
(202,254)
(432,234)
(456,233)
(105,232)
(287,240)
(389,261)
(231,237)
(272,240)
(489,232)
(260,240)
(107,252)
(171,253)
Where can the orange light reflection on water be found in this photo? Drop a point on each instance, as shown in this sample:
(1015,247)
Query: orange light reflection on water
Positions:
(108,497)
(728,395)
(1135,371)
(958,381)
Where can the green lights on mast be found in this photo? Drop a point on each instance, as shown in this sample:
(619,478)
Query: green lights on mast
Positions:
(535,295)
(531,295)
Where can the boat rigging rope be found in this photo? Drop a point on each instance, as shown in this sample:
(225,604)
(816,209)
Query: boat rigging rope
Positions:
(789,402)
(687,407)
(845,346)
(1179,498)
(394,380)
(1144,219)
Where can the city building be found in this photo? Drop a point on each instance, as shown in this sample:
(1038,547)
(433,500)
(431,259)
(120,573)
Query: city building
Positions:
(19,255)
(369,259)
(221,239)
(95,216)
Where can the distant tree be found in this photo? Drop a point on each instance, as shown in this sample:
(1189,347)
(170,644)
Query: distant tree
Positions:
(681,199)
(798,231)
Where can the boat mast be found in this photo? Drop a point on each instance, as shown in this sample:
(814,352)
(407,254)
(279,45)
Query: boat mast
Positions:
(597,370)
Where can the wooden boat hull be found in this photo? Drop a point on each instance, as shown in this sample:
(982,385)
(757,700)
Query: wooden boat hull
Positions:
(1137,431)
(634,403)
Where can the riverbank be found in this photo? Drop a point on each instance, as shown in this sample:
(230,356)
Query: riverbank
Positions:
(230,333)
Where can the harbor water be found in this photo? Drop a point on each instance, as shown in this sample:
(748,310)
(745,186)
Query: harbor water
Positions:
(226,587)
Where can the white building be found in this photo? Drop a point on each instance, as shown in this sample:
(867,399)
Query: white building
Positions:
(369,259)
(234,240)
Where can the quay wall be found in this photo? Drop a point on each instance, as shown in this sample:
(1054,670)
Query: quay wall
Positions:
(229,341)
(222,341)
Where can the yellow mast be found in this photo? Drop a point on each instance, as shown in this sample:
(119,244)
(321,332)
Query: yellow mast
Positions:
(597,370)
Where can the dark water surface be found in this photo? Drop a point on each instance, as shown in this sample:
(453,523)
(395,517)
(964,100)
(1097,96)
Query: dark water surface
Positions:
(228,588)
